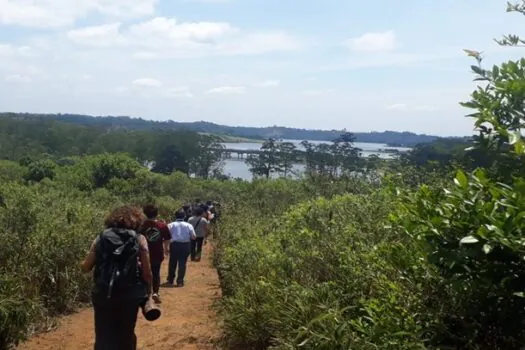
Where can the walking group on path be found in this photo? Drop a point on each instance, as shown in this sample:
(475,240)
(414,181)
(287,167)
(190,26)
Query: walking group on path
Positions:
(126,260)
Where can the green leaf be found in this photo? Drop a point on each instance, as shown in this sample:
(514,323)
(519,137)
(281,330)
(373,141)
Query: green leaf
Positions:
(478,70)
(520,216)
(469,240)
(461,179)
(519,147)
(495,71)
(487,248)
(514,136)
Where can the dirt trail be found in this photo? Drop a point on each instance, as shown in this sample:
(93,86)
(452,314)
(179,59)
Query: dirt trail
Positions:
(188,320)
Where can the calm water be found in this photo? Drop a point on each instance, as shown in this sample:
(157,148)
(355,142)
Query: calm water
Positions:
(237,167)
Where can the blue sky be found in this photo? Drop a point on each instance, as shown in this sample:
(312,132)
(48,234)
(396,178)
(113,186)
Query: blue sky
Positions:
(330,64)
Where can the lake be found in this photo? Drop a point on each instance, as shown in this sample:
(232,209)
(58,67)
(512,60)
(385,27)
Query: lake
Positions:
(238,168)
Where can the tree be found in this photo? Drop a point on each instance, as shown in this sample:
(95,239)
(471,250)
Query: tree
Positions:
(208,158)
(499,106)
(106,167)
(170,159)
(288,157)
(346,156)
(319,159)
(41,169)
(267,161)
(332,160)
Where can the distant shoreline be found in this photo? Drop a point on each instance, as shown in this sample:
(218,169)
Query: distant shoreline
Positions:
(235,139)
(236,134)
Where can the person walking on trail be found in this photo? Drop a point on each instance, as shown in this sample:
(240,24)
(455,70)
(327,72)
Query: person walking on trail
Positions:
(200,223)
(156,232)
(187,210)
(213,220)
(182,234)
(122,278)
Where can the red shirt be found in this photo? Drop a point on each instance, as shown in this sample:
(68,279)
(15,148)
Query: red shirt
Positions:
(156,249)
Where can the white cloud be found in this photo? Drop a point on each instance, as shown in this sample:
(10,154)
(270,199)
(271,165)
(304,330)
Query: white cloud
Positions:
(16,78)
(147,82)
(59,13)
(259,43)
(178,92)
(227,90)
(103,35)
(268,83)
(414,108)
(8,50)
(163,37)
(373,42)
(168,29)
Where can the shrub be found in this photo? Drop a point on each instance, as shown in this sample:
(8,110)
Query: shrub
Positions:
(327,274)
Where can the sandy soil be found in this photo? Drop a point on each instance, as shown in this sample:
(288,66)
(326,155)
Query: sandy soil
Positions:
(188,320)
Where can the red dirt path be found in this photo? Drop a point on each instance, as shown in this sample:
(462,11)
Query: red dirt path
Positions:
(188,320)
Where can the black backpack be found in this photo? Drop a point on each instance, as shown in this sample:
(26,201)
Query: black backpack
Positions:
(117,270)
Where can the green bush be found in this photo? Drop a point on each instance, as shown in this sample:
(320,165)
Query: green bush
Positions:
(40,169)
(328,274)
(473,234)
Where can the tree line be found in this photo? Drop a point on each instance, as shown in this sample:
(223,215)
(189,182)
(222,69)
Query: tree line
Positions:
(43,140)
(392,138)
(164,151)
(334,159)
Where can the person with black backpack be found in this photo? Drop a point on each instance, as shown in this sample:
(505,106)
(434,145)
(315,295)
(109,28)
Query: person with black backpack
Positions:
(156,233)
(119,258)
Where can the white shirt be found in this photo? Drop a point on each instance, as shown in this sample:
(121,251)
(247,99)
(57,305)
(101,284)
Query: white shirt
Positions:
(181,232)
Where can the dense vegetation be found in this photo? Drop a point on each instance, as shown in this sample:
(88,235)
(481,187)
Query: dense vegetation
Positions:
(28,138)
(393,138)
(431,256)
(423,252)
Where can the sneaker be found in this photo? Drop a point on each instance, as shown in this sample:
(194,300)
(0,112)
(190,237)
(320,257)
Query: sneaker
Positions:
(156,298)
(180,285)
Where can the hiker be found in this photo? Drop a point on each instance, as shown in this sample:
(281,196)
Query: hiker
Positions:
(209,210)
(122,278)
(182,234)
(200,223)
(213,220)
(187,211)
(156,232)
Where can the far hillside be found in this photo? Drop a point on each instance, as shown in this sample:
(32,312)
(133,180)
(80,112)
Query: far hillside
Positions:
(235,133)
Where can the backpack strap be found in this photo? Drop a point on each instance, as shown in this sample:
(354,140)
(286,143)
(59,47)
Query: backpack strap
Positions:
(198,222)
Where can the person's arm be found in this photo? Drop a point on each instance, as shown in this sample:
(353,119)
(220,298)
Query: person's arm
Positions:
(166,247)
(166,238)
(206,227)
(89,261)
(145,264)
(192,232)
